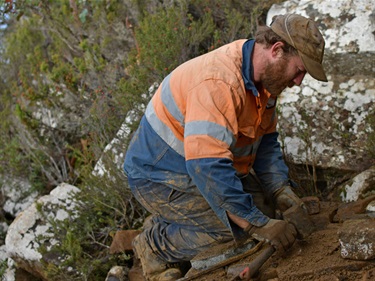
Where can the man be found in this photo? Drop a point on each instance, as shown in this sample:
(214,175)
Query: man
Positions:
(211,122)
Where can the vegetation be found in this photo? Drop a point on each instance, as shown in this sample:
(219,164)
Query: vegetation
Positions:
(72,71)
(370,146)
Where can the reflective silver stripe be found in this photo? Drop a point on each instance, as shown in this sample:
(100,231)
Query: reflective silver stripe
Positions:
(169,102)
(211,129)
(163,130)
(246,150)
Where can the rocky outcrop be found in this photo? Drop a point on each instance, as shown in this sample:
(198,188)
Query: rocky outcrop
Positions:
(32,228)
(325,124)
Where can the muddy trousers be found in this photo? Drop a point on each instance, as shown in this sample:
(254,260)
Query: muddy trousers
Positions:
(183,224)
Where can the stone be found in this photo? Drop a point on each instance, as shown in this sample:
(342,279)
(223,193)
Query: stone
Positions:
(353,209)
(117,273)
(269,274)
(312,204)
(17,196)
(357,239)
(24,235)
(369,275)
(302,221)
(370,209)
(122,241)
(322,124)
(360,186)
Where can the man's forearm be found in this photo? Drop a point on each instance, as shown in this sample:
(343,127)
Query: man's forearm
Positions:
(238,221)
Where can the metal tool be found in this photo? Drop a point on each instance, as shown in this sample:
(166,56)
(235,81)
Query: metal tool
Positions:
(223,263)
(221,253)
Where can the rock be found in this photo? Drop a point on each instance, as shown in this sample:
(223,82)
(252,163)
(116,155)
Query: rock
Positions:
(353,210)
(10,271)
(302,222)
(269,274)
(30,229)
(370,209)
(360,186)
(357,239)
(23,275)
(17,196)
(312,204)
(369,275)
(322,124)
(122,241)
(117,273)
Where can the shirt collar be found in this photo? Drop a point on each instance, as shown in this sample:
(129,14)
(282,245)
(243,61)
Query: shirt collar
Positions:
(247,67)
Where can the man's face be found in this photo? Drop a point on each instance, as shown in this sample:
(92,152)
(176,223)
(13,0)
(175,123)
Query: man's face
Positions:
(286,71)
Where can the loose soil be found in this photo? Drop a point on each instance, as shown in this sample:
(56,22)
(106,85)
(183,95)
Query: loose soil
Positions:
(316,258)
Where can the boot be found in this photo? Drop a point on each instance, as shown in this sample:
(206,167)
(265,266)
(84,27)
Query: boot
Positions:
(153,267)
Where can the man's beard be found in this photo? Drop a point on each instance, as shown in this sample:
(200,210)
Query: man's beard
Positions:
(273,79)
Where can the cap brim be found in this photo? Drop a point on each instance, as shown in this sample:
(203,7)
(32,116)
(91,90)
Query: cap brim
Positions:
(314,68)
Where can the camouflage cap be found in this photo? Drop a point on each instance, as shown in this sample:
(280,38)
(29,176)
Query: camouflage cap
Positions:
(303,34)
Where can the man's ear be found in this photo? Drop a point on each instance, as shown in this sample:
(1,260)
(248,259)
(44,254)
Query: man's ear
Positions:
(277,50)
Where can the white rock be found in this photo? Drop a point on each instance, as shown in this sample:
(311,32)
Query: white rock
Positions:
(17,196)
(21,239)
(339,38)
(333,112)
(358,185)
(371,207)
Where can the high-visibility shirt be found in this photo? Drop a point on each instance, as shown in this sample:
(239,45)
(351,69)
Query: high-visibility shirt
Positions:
(206,126)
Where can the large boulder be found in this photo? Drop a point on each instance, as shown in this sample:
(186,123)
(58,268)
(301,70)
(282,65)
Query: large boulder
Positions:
(324,124)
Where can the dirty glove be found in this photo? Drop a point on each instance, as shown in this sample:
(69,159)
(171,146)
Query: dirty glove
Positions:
(294,211)
(279,233)
(286,198)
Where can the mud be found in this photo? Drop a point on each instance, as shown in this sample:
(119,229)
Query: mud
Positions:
(315,258)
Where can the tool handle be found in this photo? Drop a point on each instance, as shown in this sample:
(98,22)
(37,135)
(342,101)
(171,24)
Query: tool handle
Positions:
(246,272)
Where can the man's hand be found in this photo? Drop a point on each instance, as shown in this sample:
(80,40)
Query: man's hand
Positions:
(279,233)
(294,211)
(286,198)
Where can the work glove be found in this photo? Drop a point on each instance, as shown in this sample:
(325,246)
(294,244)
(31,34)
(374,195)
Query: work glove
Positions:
(285,198)
(278,233)
(294,211)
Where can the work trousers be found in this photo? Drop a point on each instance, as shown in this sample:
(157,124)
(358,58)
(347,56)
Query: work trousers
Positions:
(183,224)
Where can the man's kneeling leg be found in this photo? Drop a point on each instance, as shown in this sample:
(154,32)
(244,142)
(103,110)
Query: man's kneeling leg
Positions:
(154,268)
